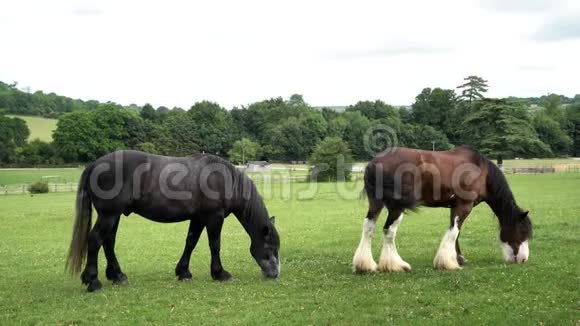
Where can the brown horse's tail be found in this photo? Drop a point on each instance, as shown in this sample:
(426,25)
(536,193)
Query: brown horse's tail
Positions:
(79,243)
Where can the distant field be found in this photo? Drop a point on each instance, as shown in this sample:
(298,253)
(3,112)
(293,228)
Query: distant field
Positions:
(40,127)
(22,176)
(549,162)
(531,163)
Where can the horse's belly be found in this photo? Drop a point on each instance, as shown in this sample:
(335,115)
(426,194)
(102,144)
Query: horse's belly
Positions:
(164,213)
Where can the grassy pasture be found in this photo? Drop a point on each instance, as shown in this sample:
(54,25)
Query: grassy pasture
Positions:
(40,127)
(25,176)
(320,229)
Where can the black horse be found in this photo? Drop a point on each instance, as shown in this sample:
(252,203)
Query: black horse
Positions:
(203,189)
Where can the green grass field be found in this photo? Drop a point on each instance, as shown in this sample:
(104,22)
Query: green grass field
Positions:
(320,229)
(40,127)
(25,176)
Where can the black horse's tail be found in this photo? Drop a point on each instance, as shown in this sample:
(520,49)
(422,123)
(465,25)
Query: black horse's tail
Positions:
(79,243)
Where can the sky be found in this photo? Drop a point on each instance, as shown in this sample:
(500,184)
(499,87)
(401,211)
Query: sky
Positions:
(334,53)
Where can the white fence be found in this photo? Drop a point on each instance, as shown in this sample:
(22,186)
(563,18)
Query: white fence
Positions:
(23,188)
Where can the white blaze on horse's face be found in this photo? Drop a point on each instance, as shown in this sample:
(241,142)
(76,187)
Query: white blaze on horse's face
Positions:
(518,256)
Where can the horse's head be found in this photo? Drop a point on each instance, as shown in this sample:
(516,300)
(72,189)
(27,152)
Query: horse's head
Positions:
(265,248)
(514,238)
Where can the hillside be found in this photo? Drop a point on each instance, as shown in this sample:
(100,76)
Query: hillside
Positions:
(40,127)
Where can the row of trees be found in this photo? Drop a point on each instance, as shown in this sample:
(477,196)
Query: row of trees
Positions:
(290,130)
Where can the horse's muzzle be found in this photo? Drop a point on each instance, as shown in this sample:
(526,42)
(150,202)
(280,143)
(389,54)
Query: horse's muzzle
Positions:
(519,256)
(270,268)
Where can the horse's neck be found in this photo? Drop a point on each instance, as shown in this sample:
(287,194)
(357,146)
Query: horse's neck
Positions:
(504,208)
(252,216)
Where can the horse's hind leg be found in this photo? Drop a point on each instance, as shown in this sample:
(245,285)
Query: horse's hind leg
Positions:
(182,269)
(363,261)
(97,236)
(390,260)
(113,271)
(214,230)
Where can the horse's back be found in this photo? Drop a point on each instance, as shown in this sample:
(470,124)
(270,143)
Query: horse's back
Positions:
(403,170)
(161,188)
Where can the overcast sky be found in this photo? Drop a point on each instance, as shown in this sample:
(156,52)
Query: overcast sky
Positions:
(175,53)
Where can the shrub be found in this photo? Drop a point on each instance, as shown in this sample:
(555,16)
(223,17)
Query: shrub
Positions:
(40,187)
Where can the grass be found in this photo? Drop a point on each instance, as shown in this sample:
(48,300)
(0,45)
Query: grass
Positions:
(319,234)
(40,127)
(26,176)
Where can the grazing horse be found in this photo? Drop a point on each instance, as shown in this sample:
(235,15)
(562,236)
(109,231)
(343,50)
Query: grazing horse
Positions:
(404,178)
(203,189)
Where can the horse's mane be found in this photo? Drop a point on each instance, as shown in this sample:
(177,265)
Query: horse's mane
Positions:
(245,194)
(499,195)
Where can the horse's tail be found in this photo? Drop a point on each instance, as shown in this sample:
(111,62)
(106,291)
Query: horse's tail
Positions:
(79,243)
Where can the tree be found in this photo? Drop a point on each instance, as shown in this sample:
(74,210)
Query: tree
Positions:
(148,112)
(553,108)
(83,136)
(37,152)
(147,148)
(337,127)
(331,160)
(355,134)
(76,137)
(296,100)
(436,108)
(573,128)
(213,127)
(473,89)
(550,132)
(13,133)
(244,150)
(177,135)
(377,110)
(423,137)
(288,141)
(497,127)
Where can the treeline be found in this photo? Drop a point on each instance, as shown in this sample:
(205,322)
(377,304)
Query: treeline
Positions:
(280,129)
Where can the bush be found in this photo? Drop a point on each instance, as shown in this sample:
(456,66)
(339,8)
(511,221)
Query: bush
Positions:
(331,161)
(40,187)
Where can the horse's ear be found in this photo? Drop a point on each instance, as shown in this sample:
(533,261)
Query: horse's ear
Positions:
(273,220)
(525,214)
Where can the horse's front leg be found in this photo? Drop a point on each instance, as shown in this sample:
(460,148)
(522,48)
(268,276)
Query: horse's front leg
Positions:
(182,269)
(449,255)
(214,230)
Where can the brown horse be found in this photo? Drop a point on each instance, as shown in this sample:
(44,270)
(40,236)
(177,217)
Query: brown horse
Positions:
(404,178)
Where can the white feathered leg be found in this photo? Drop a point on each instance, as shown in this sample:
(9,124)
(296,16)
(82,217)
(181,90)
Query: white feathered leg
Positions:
(363,261)
(446,257)
(390,260)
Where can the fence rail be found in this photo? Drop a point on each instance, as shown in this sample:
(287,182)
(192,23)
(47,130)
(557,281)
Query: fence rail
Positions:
(271,176)
(23,188)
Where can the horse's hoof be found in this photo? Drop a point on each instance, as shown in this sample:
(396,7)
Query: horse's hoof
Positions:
(121,280)
(461,260)
(94,286)
(221,276)
(183,275)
